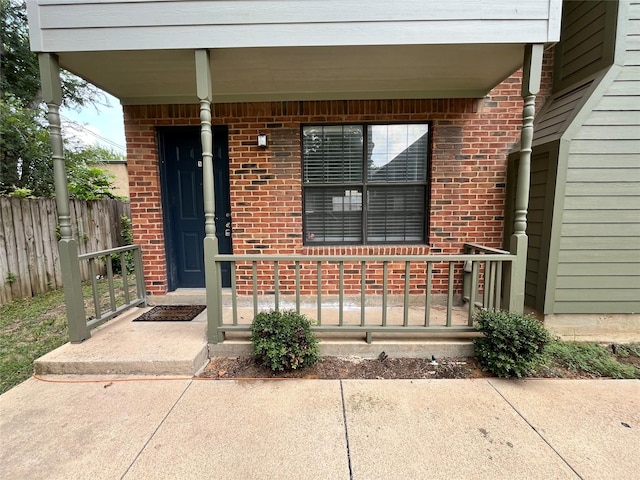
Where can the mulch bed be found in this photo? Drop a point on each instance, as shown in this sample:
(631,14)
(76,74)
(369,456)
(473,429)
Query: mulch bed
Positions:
(350,367)
(338,368)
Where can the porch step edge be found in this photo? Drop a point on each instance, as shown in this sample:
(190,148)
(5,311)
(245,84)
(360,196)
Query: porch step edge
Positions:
(337,348)
(189,367)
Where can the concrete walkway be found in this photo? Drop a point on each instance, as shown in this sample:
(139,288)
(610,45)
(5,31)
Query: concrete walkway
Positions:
(142,428)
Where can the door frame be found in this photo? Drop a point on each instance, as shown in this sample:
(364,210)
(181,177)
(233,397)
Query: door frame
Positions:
(167,222)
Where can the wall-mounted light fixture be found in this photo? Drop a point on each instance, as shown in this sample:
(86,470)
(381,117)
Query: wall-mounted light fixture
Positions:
(262,140)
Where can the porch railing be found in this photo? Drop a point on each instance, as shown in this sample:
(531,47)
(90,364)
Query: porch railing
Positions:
(109,299)
(483,279)
(477,272)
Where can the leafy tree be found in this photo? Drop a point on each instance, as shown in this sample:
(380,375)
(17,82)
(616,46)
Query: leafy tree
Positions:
(25,151)
(20,74)
(25,157)
(86,180)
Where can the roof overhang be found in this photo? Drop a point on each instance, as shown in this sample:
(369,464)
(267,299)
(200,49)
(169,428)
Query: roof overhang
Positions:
(142,52)
(300,73)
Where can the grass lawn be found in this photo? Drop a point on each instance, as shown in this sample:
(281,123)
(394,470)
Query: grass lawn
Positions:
(31,327)
(594,360)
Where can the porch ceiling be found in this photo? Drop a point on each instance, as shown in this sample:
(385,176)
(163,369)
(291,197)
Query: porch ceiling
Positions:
(301,73)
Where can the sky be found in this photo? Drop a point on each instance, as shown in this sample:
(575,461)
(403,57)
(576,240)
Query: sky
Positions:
(391,140)
(96,125)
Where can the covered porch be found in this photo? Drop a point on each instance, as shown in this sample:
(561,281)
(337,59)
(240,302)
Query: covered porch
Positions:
(429,51)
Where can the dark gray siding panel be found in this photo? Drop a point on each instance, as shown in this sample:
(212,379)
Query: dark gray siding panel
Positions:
(539,218)
(558,113)
(586,42)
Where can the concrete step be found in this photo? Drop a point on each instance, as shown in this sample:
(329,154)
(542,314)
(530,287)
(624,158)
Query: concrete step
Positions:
(124,347)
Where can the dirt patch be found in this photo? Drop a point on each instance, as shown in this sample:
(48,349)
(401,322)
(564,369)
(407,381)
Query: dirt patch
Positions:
(626,354)
(336,368)
(629,360)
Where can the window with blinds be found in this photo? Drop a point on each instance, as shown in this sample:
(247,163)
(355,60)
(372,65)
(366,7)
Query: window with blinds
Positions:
(365,184)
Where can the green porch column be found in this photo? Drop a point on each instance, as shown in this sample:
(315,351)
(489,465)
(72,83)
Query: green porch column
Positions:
(531,75)
(213,281)
(67,246)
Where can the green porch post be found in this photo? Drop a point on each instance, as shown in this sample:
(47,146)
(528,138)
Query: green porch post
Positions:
(213,282)
(67,246)
(531,76)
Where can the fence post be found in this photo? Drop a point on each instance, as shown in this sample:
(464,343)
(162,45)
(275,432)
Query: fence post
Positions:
(68,247)
(466,275)
(213,291)
(515,274)
(139,269)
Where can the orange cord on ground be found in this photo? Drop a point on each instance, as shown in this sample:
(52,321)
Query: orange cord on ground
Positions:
(145,379)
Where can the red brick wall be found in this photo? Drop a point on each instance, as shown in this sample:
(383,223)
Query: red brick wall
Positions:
(471,141)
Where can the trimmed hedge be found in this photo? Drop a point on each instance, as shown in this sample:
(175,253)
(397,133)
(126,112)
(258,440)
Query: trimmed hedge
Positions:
(283,340)
(513,344)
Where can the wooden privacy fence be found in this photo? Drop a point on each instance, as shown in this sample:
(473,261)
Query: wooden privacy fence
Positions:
(29,262)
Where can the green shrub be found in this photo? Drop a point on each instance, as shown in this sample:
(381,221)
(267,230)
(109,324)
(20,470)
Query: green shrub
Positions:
(590,359)
(21,193)
(283,340)
(126,233)
(512,345)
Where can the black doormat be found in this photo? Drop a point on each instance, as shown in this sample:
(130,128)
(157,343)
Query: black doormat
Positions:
(171,313)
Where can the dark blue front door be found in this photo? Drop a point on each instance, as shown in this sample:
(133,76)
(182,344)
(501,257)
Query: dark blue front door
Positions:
(183,204)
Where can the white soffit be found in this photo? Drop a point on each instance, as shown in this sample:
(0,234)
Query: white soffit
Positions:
(301,73)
